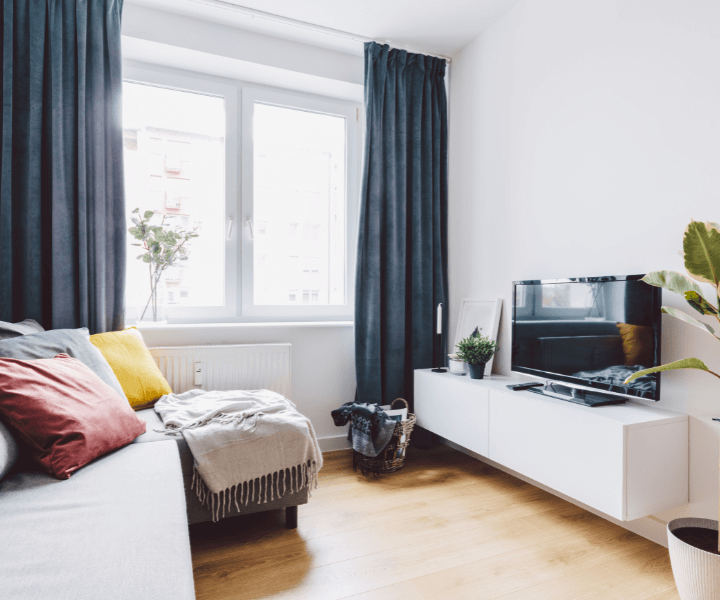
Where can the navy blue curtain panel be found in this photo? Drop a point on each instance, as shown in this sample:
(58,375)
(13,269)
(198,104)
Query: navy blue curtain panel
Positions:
(62,205)
(402,244)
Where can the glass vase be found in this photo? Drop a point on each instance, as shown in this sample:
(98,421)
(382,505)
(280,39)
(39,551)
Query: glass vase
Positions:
(156,311)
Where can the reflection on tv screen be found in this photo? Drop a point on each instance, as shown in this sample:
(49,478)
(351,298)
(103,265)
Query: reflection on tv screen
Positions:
(591,331)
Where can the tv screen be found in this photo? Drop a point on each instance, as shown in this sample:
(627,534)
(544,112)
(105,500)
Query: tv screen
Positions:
(590,333)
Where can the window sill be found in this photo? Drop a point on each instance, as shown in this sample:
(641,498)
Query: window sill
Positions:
(243,325)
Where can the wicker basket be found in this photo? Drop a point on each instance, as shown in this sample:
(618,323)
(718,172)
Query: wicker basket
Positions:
(392,458)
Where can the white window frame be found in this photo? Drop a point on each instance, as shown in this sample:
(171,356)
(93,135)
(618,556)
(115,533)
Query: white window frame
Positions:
(352,192)
(238,291)
(172,80)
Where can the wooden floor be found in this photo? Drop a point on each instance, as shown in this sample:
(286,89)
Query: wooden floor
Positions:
(445,527)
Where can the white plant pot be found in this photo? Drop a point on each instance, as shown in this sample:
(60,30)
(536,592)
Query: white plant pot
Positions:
(457,367)
(697,573)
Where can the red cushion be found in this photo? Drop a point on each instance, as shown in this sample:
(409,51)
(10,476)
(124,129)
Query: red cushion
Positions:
(66,414)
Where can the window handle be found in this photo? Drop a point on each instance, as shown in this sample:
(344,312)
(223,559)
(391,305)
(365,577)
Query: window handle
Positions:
(231,222)
(248,222)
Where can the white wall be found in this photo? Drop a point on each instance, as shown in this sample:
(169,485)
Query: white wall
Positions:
(205,36)
(323,355)
(584,136)
(181,42)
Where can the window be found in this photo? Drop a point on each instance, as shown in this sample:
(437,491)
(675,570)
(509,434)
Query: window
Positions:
(585,300)
(177,221)
(172,274)
(281,245)
(311,264)
(171,125)
(299,181)
(311,232)
(130,139)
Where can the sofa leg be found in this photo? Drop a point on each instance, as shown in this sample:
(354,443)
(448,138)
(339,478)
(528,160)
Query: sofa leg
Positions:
(291,514)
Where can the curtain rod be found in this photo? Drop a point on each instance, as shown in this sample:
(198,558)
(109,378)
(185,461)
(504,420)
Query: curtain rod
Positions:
(258,14)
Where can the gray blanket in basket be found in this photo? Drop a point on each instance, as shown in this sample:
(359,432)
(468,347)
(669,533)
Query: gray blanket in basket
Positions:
(370,430)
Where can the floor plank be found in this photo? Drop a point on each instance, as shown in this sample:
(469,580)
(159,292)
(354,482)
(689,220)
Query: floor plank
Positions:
(399,591)
(500,575)
(592,582)
(446,526)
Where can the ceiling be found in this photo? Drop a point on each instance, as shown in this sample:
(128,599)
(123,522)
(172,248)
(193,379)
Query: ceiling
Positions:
(435,26)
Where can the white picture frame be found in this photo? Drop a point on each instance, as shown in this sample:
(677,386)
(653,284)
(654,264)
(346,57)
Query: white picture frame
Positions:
(484,314)
(398,415)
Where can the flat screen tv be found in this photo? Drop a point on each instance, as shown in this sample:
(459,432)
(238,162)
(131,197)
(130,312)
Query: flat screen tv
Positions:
(585,336)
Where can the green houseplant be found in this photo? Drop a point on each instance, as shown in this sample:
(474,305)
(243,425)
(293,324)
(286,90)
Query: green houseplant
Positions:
(692,542)
(701,250)
(163,246)
(476,350)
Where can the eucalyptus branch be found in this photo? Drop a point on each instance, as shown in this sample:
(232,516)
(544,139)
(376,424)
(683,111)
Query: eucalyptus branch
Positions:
(162,246)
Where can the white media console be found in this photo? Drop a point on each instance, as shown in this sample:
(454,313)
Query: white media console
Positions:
(627,461)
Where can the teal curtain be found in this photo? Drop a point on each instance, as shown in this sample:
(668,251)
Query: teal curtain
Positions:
(401,273)
(62,213)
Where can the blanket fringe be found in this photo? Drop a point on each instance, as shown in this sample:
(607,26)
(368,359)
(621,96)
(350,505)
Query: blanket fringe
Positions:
(256,491)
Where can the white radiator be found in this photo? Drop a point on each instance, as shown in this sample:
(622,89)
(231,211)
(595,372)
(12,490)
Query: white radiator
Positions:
(240,367)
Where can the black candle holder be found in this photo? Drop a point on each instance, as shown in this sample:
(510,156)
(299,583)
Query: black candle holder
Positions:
(438,344)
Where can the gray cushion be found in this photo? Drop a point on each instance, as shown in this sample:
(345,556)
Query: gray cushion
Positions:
(115,530)
(26,327)
(8,450)
(73,342)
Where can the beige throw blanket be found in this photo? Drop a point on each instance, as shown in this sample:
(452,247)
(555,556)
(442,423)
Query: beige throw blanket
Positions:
(248,446)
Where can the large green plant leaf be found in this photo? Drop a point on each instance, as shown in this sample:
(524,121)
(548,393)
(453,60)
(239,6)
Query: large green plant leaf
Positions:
(685,363)
(672,281)
(681,284)
(678,314)
(700,304)
(701,246)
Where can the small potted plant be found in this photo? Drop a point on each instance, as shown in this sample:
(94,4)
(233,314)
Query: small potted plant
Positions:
(476,351)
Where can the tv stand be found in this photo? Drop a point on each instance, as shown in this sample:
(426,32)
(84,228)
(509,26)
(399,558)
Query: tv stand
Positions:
(626,461)
(581,397)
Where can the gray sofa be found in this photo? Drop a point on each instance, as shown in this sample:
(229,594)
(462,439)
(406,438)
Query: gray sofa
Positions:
(116,530)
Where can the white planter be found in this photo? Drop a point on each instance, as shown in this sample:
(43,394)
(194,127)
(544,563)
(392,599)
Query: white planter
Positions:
(457,367)
(697,573)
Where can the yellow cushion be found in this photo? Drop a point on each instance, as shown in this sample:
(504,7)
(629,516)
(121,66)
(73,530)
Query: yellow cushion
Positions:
(637,344)
(133,365)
